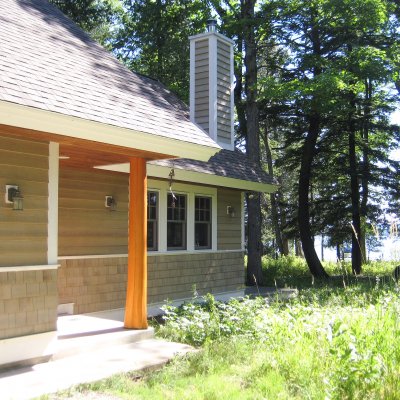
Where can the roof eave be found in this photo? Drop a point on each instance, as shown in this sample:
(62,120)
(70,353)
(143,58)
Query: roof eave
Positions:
(60,124)
(158,171)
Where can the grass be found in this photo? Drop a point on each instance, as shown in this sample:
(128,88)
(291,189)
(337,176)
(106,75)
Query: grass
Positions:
(333,341)
(293,272)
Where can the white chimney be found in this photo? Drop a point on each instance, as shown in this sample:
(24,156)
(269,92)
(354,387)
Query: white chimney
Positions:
(212,84)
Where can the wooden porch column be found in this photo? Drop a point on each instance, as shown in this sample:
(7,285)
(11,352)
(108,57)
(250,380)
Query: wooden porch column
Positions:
(136,292)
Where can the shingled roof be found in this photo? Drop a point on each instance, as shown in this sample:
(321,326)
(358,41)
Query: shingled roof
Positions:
(231,169)
(49,63)
(226,163)
(227,168)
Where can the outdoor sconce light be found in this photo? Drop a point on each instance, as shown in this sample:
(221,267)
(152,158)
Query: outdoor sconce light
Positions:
(110,203)
(230,211)
(14,197)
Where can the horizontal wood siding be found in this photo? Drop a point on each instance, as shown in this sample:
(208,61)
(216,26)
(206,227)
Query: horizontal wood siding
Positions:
(23,234)
(86,226)
(224,112)
(229,228)
(201,72)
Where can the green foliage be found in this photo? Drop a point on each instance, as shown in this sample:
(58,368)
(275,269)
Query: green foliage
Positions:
(197,323)
(293,272)
(154,39)
(327,343)
(340,59)
(96,17)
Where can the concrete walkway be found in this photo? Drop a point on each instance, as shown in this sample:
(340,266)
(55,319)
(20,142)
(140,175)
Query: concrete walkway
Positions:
(50,377)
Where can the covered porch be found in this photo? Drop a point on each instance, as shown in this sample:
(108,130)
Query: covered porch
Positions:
(29,295)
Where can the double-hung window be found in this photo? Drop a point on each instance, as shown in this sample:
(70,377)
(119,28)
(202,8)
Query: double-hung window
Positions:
(152,220)
(176,221)
(202,226)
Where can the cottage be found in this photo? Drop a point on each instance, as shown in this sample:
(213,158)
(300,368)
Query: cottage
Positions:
(113,194)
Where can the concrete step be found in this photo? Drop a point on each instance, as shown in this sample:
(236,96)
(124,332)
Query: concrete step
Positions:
(71,345)
(85,333)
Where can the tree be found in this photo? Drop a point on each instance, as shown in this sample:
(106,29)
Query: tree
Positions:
(153,39)
(331,46)
(96,17)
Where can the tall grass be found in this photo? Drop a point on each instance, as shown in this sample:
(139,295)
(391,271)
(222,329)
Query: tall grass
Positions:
(326,344)
(292,271)
(332,341)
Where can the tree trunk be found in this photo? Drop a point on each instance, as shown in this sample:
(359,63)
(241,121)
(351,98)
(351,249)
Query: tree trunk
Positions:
(254,245)
(365,167)
(313,262)
(338,255)
(297,248)
(322,247)
(272,196)
(282,221)
(355,202)
(285,243)
(238,92)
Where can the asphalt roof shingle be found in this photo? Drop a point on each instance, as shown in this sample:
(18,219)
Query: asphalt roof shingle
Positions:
(47,62)
(226,163)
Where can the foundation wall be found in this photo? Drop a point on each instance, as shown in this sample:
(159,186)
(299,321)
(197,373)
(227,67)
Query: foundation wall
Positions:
(28,302)
(173,277)
(96,284)
(92,284)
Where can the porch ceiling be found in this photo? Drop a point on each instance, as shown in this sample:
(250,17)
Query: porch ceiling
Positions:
(83,153)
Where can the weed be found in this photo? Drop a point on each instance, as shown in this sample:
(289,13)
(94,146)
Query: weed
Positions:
(332,341)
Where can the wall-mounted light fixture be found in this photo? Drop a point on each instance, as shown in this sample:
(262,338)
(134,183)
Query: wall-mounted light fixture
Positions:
(14,197)
(230,210)
(110,203)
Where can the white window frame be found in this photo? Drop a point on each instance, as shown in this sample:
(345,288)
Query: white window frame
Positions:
(210,222)
(186,220)
(162,187)
(158,218)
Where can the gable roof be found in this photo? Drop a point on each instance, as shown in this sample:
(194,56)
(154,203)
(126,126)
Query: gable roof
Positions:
(49,64)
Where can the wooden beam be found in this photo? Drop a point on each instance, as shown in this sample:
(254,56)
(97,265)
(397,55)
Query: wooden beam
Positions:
(100,153)
(136,293)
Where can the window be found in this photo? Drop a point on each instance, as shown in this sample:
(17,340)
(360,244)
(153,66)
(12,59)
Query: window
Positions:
(176,222)
(202,218)
(152,220)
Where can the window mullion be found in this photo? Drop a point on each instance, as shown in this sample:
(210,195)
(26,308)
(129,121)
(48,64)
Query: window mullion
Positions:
(190,222)
(162,224)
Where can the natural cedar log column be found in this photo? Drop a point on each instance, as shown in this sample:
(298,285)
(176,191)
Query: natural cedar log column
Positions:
(136,292)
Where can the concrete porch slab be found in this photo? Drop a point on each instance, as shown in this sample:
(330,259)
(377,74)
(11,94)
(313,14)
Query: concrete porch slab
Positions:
(84,333)
(53,376)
